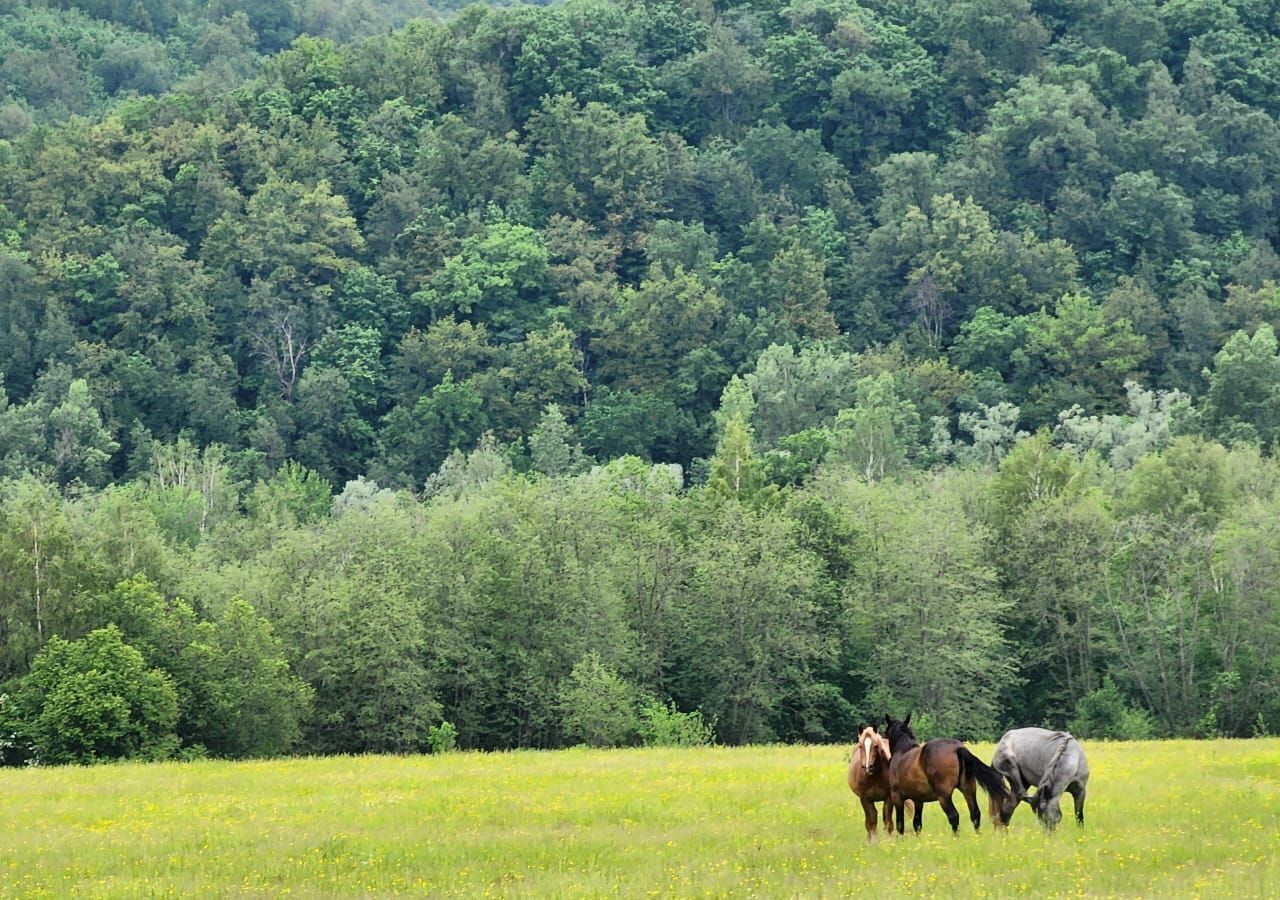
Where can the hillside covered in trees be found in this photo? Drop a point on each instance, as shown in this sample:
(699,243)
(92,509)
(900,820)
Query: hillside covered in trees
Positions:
(530,368)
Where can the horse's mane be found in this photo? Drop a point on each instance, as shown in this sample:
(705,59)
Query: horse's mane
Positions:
(904,734)
(877,738)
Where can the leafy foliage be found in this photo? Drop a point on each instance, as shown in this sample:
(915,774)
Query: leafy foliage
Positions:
(662,725)
(94,699)
(758,352)
(1103,713)
(597,707)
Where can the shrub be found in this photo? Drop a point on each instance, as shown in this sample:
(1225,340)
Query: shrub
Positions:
(442,738)
(597,707)
(662,725)
(1104,713)
(94,699)
(1224,692)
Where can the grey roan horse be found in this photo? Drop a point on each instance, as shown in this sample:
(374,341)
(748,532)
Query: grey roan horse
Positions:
(1052,761)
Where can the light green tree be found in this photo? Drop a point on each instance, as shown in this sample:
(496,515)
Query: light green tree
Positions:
(80,446)
(749,632)
(1243,401)
(792,389)
(736,471)
(923,595)
(1155,418)
(878,435)
(40,568)
(553,449)
(597,707)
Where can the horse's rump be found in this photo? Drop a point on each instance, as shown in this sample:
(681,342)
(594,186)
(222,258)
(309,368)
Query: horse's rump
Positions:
(911,774)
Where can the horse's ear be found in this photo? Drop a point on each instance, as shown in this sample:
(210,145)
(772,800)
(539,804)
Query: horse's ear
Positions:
(888,721)
(907,720)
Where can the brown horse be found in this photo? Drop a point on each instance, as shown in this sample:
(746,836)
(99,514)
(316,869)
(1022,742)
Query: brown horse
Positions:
(869,777)
(934,771)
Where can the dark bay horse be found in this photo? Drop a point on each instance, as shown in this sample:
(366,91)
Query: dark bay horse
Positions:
(934,771)
(869,776)
(1052,761)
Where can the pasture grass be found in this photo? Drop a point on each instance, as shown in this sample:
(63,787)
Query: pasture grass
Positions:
(1175,818)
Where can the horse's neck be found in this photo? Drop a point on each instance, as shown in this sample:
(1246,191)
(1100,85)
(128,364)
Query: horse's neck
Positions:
(905,745)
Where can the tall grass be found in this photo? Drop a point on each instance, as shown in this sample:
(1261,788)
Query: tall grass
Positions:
(1164,819)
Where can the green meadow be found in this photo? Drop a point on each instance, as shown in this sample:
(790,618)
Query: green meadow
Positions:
(1175,818)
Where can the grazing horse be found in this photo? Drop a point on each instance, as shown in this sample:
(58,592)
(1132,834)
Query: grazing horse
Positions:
(934,771)
(869,776)
(1052,761)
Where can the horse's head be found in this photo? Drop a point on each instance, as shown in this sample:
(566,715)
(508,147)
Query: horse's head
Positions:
(1010,804)
(874,748)
(1048,808)
(898,730)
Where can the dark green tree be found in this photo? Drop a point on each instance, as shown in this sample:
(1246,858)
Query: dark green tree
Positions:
(94,700)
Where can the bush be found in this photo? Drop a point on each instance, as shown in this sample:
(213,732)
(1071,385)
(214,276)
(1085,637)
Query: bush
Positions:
(597,707)
(94,699)
(442,738)
(13,748)
(1104,713)
(662,725)
(1224,698)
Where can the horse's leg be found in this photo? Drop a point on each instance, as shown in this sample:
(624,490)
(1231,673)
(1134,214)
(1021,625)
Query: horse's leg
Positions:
(953,814)
(917,815)
(971,799)
(896,800)
(888,817)
(869,817)
(1077,793)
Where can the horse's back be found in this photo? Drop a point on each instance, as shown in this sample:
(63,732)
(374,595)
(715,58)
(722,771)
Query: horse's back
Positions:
(940,749)
(908,774)
(1016,738)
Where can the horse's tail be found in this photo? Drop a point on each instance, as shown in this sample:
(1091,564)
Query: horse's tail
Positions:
(975,769)
(1047,780)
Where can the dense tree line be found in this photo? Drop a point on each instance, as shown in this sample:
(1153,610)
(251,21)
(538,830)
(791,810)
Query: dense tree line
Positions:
(186,612)
(357,351)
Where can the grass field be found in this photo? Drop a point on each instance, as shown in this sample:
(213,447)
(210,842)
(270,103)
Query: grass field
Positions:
(1164,819)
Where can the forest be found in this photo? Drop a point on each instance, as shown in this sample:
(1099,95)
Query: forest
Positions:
(389,376)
